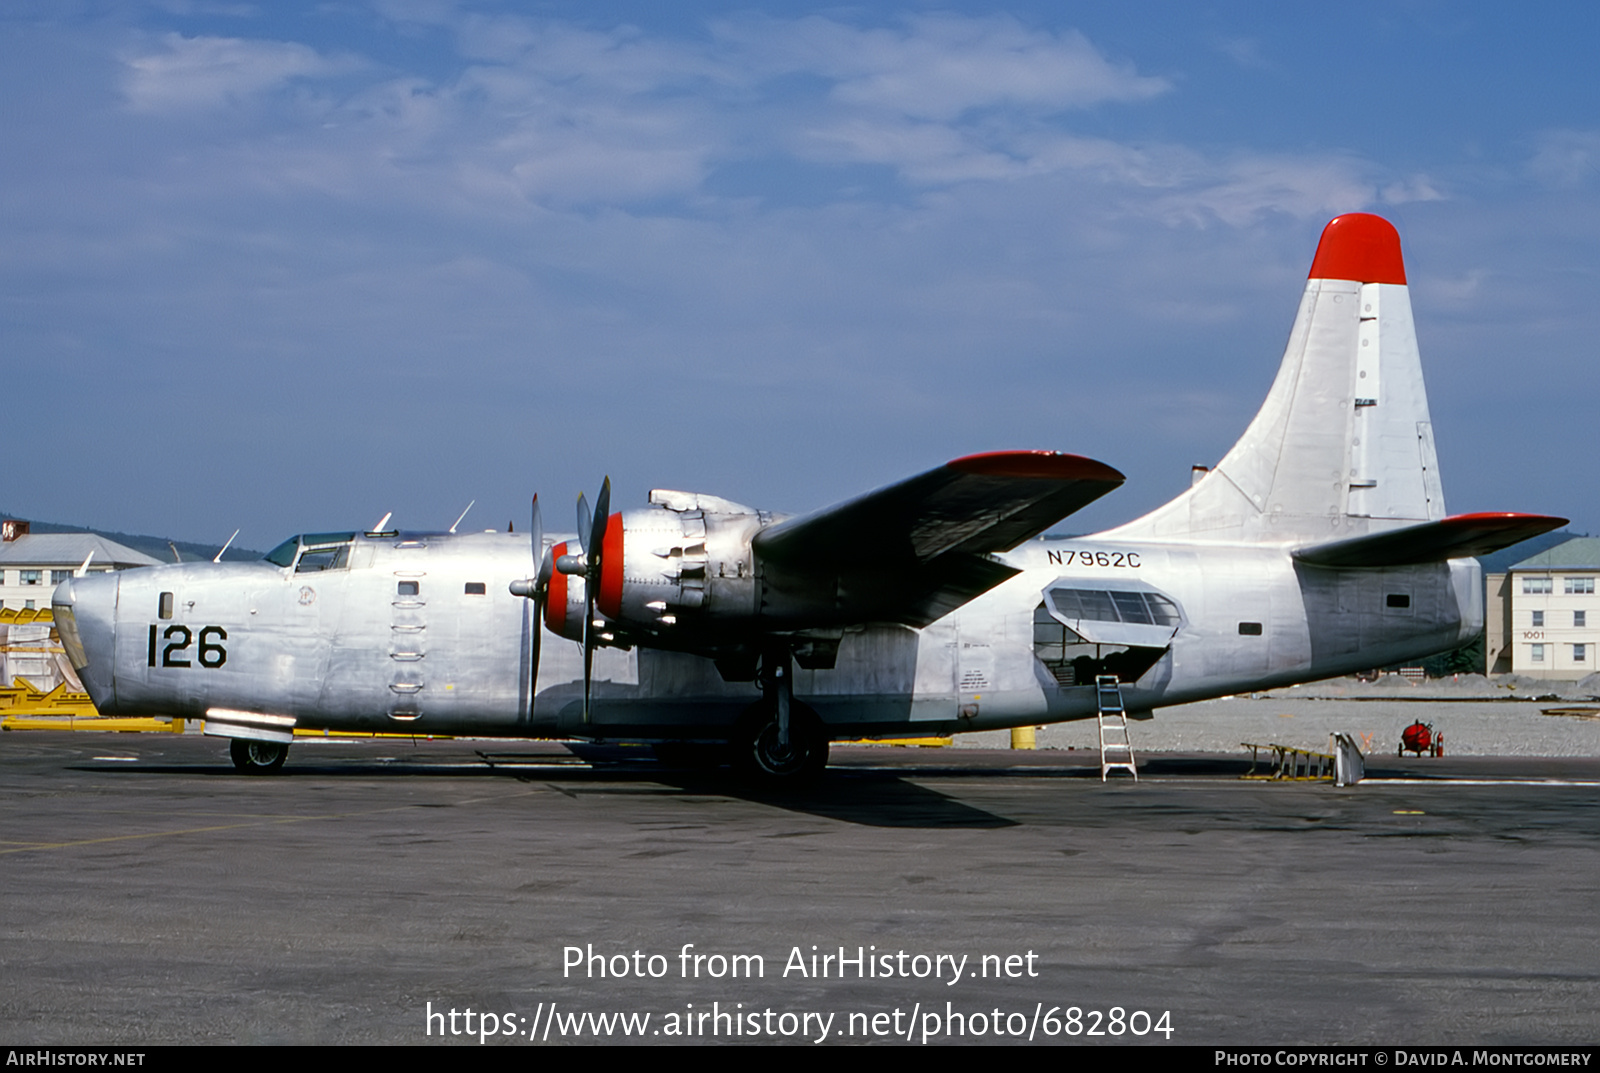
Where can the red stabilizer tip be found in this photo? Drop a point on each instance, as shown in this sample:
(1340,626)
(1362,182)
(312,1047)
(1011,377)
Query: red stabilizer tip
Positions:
(1361,247)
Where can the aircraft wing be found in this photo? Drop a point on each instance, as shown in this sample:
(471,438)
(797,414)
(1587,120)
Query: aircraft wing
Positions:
(918,549)
(1456,537)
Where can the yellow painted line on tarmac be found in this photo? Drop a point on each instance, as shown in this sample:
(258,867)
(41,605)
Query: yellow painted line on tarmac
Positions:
(926,743)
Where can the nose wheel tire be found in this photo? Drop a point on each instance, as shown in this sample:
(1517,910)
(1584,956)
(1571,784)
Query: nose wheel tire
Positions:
(257,757)
(762,758)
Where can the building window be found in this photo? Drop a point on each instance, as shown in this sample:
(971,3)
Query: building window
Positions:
(58,576)
(1538,653)
(1538,618)
(27,605)
(1580,653)
(1578,586)
(1534,586)
(1580,618)
(30,577)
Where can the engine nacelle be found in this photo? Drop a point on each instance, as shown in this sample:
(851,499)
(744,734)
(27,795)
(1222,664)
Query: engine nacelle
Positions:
(563,609)
(676,574)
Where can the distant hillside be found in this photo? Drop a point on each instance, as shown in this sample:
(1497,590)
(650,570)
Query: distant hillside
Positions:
(153,546)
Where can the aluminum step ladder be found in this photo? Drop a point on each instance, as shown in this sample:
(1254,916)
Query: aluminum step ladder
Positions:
(1116,751)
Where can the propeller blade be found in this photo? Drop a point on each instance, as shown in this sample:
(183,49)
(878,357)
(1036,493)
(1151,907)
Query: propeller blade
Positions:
(541,587)
(602,516)
(596,537)
(588,669)
(537,529)
(583,517)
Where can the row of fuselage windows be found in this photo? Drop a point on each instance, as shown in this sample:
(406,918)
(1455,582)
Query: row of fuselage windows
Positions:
(414,588)
(1570,586)
(164,603)
(1099,605)
(1580,619)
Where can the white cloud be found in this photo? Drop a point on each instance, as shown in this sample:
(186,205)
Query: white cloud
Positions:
(543,113)
(943,67)
(1566,158)
(1238,192)
(1244,51)
(198,73)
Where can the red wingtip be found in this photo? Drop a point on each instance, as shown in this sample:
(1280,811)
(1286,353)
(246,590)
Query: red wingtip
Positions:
(1361,247)
(1037,464)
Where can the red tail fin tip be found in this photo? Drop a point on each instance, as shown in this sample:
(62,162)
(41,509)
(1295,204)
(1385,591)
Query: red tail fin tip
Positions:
(1361,247)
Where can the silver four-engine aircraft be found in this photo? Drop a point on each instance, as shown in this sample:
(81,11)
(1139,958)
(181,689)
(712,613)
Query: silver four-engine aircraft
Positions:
(1318,546)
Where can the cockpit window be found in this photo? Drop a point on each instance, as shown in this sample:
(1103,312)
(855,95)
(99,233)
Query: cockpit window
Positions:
(323,551)
(314,559)
(283,554)
(312,539)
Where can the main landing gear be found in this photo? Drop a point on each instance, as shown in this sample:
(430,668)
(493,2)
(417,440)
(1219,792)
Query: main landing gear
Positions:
(257,757)
(779,741)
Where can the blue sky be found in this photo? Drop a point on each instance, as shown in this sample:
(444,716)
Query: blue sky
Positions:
(292,266)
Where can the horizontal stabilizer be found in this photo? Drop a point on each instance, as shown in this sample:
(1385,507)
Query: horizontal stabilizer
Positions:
(1456,537)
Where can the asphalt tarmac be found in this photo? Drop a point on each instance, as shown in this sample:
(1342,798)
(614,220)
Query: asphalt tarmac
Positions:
(153,896)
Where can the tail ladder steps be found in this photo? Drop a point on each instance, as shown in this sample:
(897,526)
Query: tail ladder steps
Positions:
(1116,751)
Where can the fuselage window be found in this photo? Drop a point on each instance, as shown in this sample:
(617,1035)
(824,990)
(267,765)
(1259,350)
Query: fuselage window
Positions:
(1250,629)
(1398,599)
(477,588)
(165,609)
(1140,608)
(408,588)
(1073,660)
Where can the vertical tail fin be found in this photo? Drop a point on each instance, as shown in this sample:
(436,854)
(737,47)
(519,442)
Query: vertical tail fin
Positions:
(1343,444)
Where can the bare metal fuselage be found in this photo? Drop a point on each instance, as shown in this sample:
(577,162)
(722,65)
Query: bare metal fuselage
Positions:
(418,632)
(1288,561)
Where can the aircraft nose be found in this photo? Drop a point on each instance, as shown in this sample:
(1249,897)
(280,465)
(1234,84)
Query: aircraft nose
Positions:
(84,609)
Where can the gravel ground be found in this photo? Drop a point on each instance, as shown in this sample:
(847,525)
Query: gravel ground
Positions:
(1477,718)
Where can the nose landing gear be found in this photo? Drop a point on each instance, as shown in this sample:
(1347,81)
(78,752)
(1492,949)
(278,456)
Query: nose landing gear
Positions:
(257,757)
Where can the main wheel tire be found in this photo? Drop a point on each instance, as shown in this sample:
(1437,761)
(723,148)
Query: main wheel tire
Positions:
(759,757)
(257,757)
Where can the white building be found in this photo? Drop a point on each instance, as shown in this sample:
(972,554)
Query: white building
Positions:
(1542,616)
(31,566)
